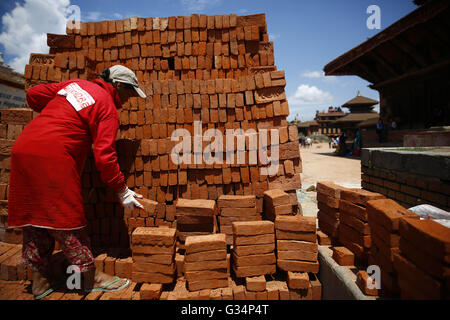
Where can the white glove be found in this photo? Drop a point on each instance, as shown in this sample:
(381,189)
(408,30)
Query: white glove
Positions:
(127,198)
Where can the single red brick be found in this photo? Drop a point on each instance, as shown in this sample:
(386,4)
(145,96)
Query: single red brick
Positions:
(362,282)
(343,256)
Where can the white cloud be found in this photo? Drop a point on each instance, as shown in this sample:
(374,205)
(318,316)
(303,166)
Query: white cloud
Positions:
(243,11)
(273,36)
(312,74)
(93,15)
(330,79)
(25,29)
(315,74)
(310,95)
(199,5)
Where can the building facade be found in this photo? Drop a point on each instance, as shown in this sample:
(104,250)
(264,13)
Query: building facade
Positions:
(327,121)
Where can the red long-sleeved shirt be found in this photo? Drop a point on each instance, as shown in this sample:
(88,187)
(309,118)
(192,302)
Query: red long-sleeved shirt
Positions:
(48,157)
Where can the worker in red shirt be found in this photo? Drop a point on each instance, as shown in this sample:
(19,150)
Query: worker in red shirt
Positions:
(47,160)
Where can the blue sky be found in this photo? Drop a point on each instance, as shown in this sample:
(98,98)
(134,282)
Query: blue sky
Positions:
(306,35)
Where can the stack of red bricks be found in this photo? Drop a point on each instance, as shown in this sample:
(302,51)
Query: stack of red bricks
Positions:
(13,269)
(153,251)
(384,217)
(12,122)
(328,196)
(10,262)
(115,262)
(354,231)
(195,217)
(235,208)
(423,263)
(297,248)
(205,262)
(142,217)
(215,69)
(253,252)
(277,202)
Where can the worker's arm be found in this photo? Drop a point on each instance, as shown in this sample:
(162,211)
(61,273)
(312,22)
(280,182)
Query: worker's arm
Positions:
(105,155)
(103,135)
(40,95)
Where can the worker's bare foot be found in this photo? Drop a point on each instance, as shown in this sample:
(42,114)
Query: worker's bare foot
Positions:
(97,279)
(40,283)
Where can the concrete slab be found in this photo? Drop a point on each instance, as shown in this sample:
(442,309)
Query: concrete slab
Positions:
(338,282)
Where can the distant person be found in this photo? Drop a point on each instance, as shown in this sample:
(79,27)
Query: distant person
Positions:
(309,142)
(302,142)
(393,124)
(357,144)
(379,130)
(342,144)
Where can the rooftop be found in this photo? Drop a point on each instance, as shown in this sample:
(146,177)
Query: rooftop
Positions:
(402,50)
(357,117)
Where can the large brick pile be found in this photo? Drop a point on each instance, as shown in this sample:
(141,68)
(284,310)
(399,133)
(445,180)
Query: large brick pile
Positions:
(216,69)
(423,263)
(412,254)
(354,230)
(384,216)
(328,195)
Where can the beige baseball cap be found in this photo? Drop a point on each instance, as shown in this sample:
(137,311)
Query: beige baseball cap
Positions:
(119,73)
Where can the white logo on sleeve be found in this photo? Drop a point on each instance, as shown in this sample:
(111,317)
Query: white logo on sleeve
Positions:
(77,97)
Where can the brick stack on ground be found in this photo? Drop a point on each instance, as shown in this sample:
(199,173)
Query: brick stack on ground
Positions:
(354,231)
(297,251)
(195,217)
(328,195)
(12,122)
(205,262)
(235,208)
(216,69)
(253,251)
(153,251)
(10,262)
(277,202)
(423,263)
(384,216)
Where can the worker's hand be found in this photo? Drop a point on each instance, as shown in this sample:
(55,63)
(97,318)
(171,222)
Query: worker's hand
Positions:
(127,198)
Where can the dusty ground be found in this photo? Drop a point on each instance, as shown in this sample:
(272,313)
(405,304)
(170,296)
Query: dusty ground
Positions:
(321,164)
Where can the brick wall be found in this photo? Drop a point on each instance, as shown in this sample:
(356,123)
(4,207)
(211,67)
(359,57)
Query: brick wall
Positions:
(407,188)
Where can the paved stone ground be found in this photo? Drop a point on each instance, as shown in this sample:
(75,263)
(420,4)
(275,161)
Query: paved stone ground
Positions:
(320,163)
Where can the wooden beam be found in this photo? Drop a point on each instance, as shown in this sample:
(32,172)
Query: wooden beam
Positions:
(372,75)
(409,75)
(436,30)
(384,63)
(410,50)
